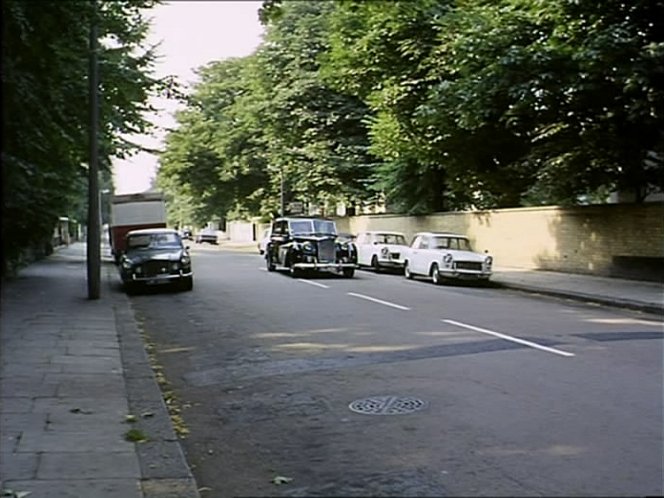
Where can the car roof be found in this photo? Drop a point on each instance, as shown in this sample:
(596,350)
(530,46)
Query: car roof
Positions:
(442,234)
(150,231)
(302,218)
(382,232)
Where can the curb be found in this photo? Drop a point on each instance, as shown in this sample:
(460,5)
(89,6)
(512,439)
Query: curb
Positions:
(164,469)
(580,296)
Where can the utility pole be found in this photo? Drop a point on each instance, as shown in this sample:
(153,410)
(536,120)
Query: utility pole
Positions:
(282,199)
(94,229)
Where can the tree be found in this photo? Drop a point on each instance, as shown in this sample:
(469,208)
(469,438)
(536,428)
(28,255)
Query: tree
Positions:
(45,111)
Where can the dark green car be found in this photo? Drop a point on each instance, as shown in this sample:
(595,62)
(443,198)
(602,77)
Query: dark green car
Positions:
(155,257)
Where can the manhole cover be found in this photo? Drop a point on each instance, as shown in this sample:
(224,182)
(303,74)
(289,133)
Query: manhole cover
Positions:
(387,405)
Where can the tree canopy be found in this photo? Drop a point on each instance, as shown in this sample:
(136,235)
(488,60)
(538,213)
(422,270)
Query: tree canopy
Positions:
(436,105)
(45,106)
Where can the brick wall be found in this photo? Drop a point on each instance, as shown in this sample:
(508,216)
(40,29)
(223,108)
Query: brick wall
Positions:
(610,239)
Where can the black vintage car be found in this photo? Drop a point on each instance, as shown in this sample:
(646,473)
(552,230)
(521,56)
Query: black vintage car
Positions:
(301,244)
(155,256)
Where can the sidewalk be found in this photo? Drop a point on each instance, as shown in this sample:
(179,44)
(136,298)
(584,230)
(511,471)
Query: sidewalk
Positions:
(71,370)
(617,292)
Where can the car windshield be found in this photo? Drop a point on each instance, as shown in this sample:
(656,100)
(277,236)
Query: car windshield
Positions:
(457,243)
(313,226)
(389,238)
(154,241)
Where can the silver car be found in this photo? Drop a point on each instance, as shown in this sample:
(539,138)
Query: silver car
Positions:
(442,256)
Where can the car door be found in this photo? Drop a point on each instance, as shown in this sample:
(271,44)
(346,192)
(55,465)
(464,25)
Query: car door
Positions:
(415,255)
(360,244)
(284,238)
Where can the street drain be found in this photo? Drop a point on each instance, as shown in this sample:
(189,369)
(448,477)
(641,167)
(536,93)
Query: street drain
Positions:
(387,405)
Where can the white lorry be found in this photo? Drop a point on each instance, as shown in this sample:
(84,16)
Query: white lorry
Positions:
(132,212)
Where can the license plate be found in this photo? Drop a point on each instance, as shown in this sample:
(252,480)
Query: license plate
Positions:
(158,281)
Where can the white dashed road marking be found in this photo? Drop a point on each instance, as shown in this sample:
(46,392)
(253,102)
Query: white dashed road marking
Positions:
(510,338)
(311,282)
(379,301)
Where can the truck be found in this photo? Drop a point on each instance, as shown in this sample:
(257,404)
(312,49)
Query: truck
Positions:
(133,212)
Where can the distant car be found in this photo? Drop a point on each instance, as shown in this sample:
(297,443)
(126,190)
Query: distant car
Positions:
(300,244)
(443,256)
(263,241)
(379,249)
(206,235)
(186,234)
(155,256)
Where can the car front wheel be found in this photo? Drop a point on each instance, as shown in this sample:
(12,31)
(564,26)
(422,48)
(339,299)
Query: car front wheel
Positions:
(406,271)
(374,264)
(348,272)
(435,275)
(268,262)
(187,284)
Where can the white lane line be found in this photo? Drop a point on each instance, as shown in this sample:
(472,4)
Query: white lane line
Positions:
(510,338)
(380,301)
(311,282)
(262,268)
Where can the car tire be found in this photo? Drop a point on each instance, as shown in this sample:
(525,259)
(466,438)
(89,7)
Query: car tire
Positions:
(435,275)
(187,284)
(268,262)
(295,272)
(348,272)
(374,264)
(406,271)
(130,288)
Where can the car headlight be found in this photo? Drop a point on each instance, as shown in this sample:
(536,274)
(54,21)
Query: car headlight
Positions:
(447,260)
(384,252)
(126,264)
(488,261)
(309,247)
(185,260)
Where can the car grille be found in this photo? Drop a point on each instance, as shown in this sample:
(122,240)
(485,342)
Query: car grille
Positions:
(154,268)
(468,265)
(326,251)
(395,255)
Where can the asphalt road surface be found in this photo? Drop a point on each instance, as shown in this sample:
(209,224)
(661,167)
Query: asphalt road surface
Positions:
(454,390)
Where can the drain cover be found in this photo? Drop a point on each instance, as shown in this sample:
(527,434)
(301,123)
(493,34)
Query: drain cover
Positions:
(387,405)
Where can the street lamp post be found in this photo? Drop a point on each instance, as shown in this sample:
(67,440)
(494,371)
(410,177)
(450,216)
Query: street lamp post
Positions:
(282,197)
(94,231)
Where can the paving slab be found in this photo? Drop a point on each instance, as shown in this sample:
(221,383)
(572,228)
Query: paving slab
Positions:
(64,396)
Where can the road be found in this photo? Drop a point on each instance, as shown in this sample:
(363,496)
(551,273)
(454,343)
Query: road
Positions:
(461,390)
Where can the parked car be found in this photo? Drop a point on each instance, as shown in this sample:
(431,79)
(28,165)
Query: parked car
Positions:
(379,249)
(300,244)
(155,256)
(186,234)
(206,235)
(444,256)
(263,241)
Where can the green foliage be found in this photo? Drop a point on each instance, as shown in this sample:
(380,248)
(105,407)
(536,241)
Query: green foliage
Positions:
(45,50)
(251,122)
(435,104)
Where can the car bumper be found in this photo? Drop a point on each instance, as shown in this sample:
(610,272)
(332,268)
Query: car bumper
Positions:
(391,263)
(323,266)
(465,275)
(157,279)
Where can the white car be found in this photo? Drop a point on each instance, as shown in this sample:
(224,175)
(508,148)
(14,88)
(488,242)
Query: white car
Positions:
(379,249)
(263,240)
(443,256)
